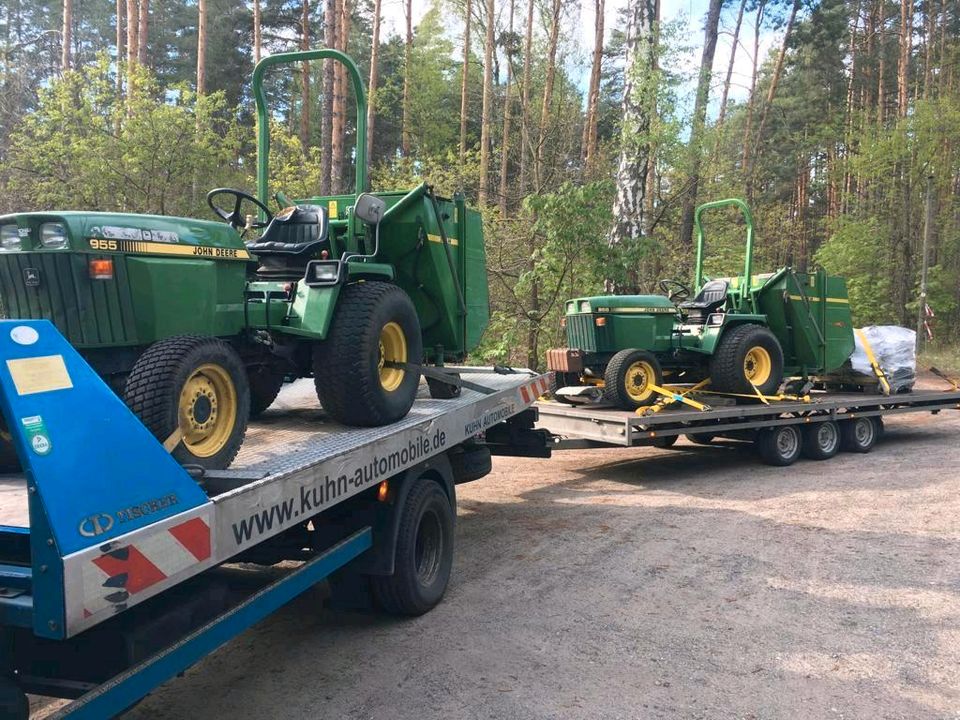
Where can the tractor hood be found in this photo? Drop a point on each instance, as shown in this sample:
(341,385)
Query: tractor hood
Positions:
(127,232)
(653,304)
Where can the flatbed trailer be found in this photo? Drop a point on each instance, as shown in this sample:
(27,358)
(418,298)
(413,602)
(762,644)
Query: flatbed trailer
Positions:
(817,426)
(119,568)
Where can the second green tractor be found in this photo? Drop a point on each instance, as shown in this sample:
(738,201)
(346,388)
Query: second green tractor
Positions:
(745,334)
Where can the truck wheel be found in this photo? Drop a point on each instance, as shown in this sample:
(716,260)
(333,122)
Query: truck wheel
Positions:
(747,356)
(265,383)
(780,445)
(858,435)
(821,441)
(192,393)
(375,324)
(628,378)
(701,438)
(424,553)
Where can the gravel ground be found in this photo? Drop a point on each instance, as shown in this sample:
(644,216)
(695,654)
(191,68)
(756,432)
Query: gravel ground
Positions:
(645,583)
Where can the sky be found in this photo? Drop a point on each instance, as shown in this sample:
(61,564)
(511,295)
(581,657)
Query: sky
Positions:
(690,13)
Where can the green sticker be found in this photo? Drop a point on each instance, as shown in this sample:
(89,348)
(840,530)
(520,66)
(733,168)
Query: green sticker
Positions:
(37,434)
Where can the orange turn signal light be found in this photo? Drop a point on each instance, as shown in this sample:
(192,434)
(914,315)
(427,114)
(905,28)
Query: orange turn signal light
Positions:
(383,491)
(101,269)
(600,321)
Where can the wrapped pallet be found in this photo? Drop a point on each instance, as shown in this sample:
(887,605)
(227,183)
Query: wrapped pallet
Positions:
(894,348)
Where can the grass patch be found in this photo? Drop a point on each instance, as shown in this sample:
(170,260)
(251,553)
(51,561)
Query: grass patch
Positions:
(942,357)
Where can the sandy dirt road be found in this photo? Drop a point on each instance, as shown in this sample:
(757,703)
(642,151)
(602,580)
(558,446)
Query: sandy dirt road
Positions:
(645,583)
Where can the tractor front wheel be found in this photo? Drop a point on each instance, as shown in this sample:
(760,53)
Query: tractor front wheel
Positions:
(362,370)
(192,393)
(748,357)
(629,377)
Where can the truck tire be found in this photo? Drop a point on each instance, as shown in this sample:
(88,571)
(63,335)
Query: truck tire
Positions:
(374,323)
(265,383)
(747,354)
(780,445)
(191,392)
(859,435)
(821,441)
(424,553)
(627,379)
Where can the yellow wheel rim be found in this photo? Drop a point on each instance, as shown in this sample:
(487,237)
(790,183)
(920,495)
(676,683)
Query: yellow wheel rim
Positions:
(207,410)
(757,365)
(393,349)
(638,379)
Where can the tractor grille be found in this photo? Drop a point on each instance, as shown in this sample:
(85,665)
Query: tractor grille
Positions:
(581,332)
(87,312)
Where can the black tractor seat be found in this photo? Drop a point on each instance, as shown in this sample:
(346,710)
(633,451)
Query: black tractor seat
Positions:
(711,298)
(295,236)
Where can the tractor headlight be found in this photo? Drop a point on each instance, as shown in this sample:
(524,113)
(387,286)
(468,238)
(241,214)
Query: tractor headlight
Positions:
(9,238)
(322,272)
(53,236)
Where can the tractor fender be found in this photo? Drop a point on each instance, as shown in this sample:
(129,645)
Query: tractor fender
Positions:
(712,333)
(311,311)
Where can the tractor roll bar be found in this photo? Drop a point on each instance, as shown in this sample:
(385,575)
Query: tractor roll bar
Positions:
(263,124)
(748,259)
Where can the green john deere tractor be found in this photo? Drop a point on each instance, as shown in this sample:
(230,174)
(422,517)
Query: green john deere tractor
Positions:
(745,334)
(198,323)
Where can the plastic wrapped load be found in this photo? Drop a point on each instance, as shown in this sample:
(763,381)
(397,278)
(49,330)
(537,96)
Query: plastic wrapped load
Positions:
(895,351)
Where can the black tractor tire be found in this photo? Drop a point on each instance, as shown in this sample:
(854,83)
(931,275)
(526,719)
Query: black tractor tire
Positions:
(211,425)
(440,390)
(352,386)
(265,383)
(627,377)
(733,356)
(424,553)
(780,445)
(821,441)
(701,438)
(860,434)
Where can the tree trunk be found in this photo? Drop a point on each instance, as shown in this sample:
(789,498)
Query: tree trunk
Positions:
(133,21)
(505,138)
(202,47)
(588,143)
(628,204)
(903,62)
(144,17)
(326,120)
(67,36)
(305,77)
(407,60)
(733,56)
(652,112)
(257,32)
(545,107)
(525,100)
(695,146)
(464,72)
(374,76)
(121,11)
(486,114)
(751,98)
(340,101)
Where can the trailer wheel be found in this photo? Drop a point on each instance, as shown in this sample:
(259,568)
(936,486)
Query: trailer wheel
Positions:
(700,438)
(265,383)
(628,378)
(374,328)
(192,393)
(747,356)
(821,441)
(780,445)
(665,442)
(859,435)
(424,553)
(14,704)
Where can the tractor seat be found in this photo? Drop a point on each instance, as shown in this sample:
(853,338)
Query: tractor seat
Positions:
(710,298)
(294,236)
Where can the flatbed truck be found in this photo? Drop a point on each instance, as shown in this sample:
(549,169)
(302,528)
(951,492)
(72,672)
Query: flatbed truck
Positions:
(817,425)
(120,568)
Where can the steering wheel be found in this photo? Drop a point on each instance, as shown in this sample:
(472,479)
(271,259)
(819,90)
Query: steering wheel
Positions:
(674,290)
(236,219)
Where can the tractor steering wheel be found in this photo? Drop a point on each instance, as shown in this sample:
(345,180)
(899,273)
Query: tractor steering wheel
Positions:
(237,220)
(674,290)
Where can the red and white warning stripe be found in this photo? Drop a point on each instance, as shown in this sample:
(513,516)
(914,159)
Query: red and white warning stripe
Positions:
(120,574)
(532,390)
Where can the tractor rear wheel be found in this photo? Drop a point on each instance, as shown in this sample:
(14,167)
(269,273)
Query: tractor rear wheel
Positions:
(747,357)
(629,377)
(360,370)
(265,384)
(192,393)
